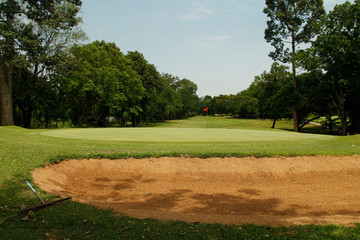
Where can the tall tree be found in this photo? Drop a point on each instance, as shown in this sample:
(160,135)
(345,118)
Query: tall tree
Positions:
(291,23)
(171,104)
(44,54)
(19,22)
(272,91)
(337,49)
(190,101)
(244,104)
(101,82)
(206,102)
(221,104)
(151,81)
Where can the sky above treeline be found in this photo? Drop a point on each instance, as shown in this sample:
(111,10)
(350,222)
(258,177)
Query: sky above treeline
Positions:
(217,44)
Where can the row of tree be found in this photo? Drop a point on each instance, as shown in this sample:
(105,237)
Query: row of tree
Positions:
(331,65)
(97,81)
(46,77)
(329,82)
(34,38)
(271,96)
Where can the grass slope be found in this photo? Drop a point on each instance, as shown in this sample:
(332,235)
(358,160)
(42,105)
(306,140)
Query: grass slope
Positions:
(23,150)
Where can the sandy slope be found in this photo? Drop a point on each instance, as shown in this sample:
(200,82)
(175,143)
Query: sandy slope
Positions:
(271,191)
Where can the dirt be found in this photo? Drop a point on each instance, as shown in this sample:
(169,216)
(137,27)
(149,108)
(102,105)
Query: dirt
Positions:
(277,191)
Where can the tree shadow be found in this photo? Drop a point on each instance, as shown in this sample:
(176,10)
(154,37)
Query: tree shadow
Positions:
(237,204)
(245,203)
(252,192)
(159,202)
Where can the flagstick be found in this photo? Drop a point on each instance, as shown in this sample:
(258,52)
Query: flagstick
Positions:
(207,119)
(207,116)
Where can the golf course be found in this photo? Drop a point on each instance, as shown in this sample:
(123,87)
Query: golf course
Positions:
(199,178)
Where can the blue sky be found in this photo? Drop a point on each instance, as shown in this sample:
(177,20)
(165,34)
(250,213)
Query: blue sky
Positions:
(217,44)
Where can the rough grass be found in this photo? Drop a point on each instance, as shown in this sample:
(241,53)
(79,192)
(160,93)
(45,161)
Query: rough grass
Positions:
(23,150)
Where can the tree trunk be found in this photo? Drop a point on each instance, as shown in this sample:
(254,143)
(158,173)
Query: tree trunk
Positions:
(6,106)
(274,122)
(6,74)
(343,114)
(331,125)
(295,113)
(133,119)
(343,125)
(28,116)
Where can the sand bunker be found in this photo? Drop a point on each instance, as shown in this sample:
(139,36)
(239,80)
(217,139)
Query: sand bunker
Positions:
(262,191)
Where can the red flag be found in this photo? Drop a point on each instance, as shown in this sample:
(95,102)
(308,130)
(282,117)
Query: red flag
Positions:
(206,109)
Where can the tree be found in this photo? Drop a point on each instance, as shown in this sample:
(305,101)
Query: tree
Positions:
(45,54)
(272,91)
(337,49)
(221,104)
(190,101)
(291,23)
(244,104)
(101,82)
(171,100)
(311,99)
(206,102)
(151,81)
(21,25)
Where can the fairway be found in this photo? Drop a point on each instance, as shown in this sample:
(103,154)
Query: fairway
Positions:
(182,135)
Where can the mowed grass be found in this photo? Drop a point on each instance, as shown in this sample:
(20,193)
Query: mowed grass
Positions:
(224,122)
(206,135)
(23,150)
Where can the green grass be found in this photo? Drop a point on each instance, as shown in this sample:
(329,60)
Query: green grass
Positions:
(22,150)
(191,135)
(224,122)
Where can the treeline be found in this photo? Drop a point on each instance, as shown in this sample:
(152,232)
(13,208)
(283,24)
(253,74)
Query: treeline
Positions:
(96,82)
(328,84)
(329,81)
(324,80)
(47,77)
(271,96)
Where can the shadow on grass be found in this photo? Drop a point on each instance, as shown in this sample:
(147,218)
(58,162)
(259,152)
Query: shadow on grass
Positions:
(311,130)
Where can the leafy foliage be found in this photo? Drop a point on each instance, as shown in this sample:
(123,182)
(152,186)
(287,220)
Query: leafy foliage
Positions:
(101,82)
(33,36)
(291,23)
(337,49)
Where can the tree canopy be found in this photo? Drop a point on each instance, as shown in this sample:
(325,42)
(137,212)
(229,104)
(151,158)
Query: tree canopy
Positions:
(27,29)
(47,76)
(337,49)
(291,23)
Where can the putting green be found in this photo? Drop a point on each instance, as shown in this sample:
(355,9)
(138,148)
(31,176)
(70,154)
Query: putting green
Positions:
(181,135)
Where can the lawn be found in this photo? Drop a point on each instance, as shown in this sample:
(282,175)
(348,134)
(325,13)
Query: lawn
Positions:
(23,150)
(186,135)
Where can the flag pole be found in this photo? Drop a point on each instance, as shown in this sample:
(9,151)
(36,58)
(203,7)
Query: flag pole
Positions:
(207,116)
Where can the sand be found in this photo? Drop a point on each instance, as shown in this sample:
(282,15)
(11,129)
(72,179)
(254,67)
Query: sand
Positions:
(279,191)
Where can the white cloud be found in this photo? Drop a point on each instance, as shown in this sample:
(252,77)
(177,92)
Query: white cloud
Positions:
(196,13)
(210,42)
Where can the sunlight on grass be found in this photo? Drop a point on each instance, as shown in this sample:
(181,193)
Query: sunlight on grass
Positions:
(23,150)
(181,135)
